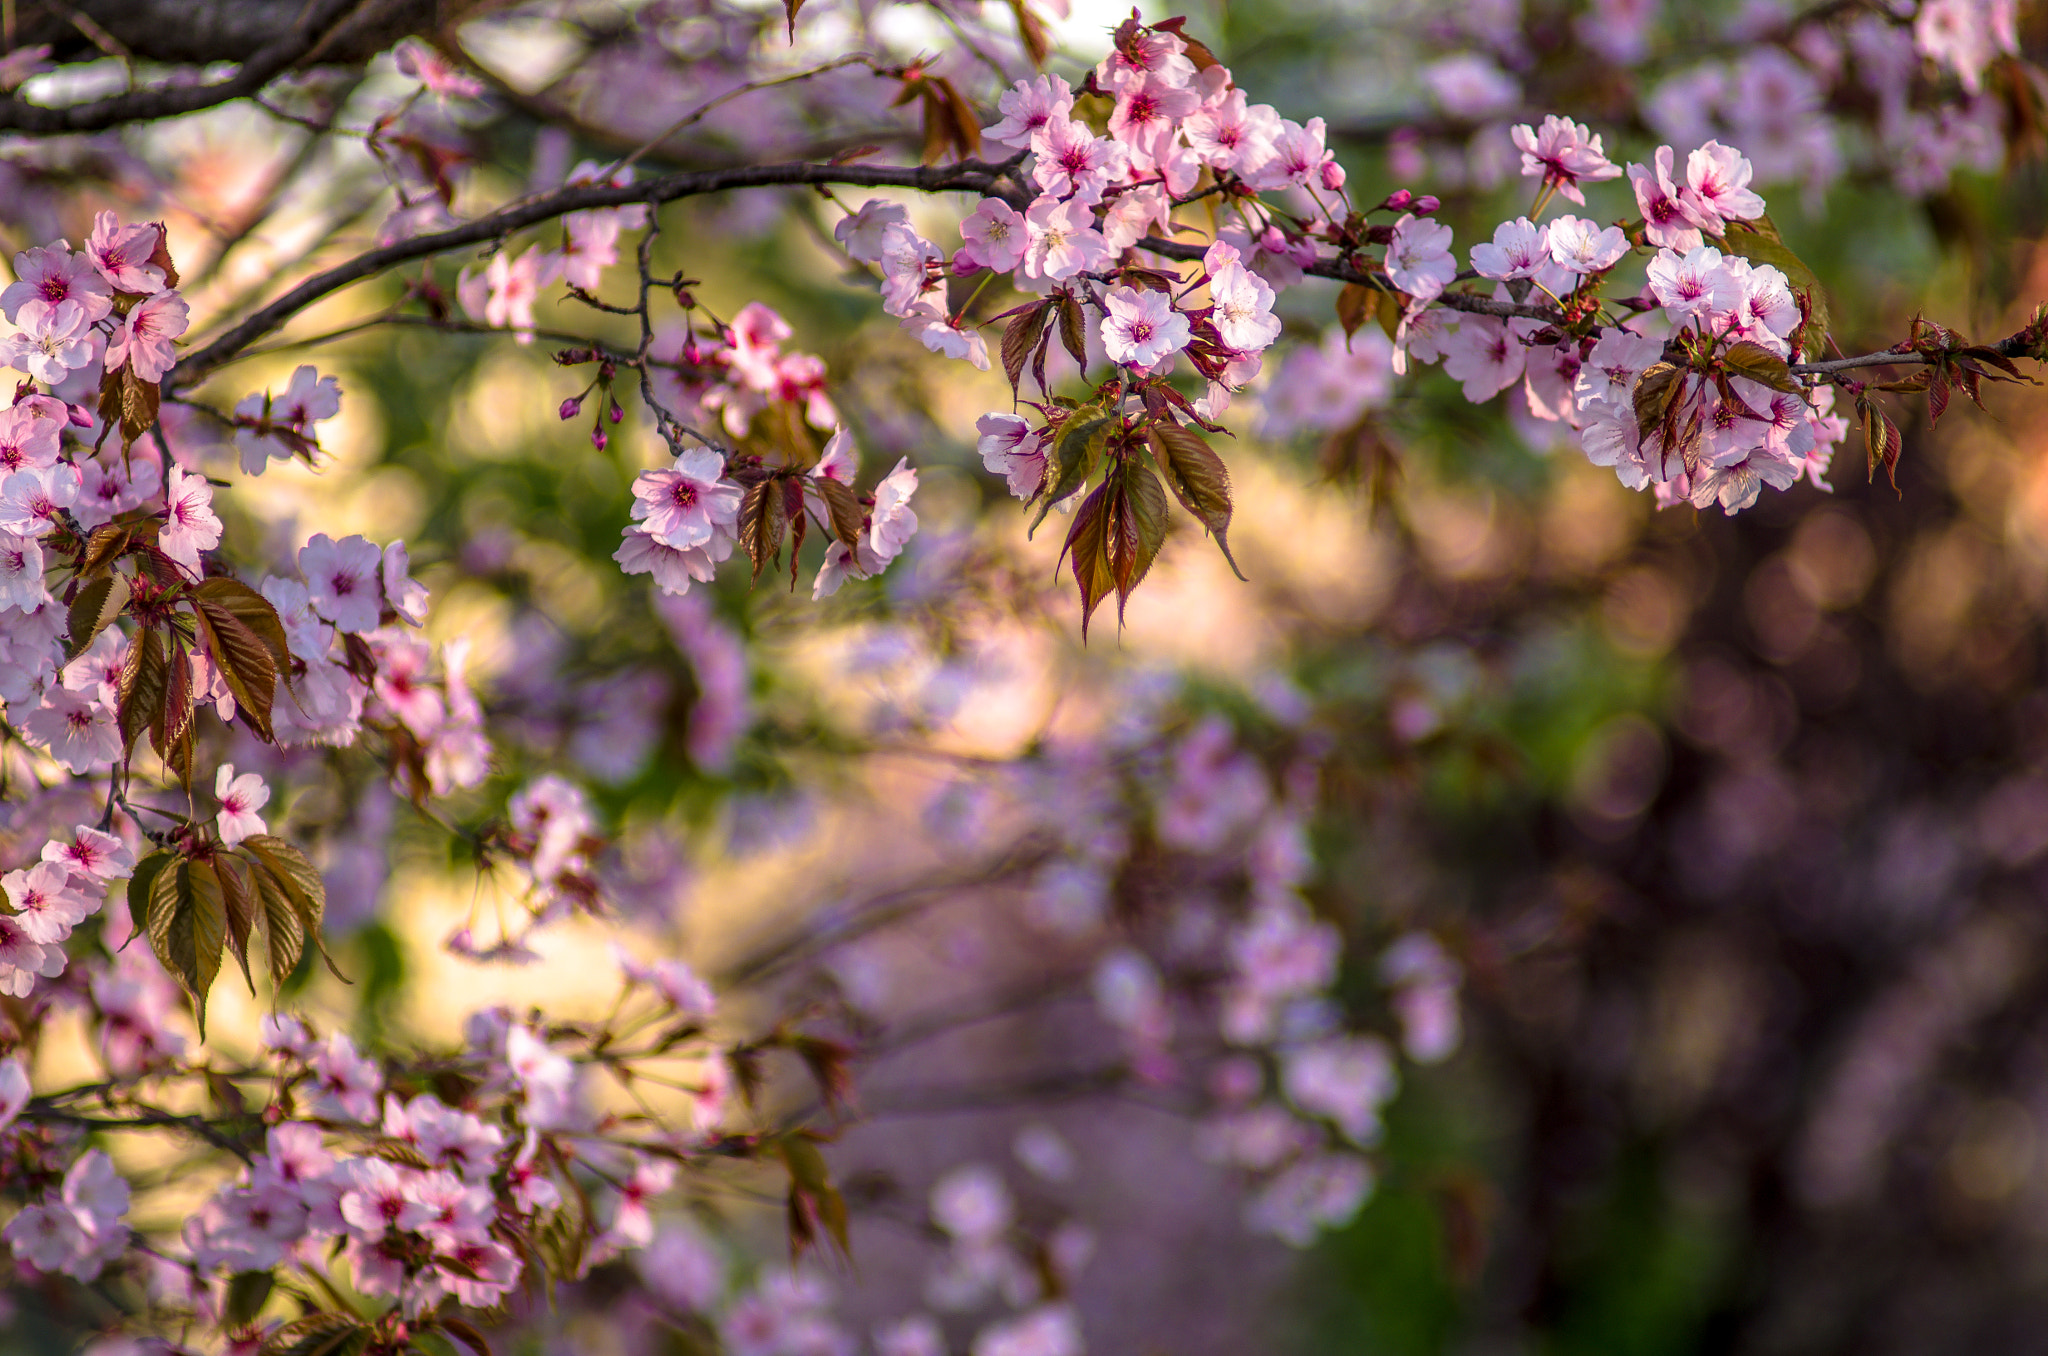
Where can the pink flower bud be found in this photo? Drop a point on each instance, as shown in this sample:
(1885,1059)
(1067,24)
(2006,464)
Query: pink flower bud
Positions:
(1397,201)
(598,438)
(571,407)
(1426,204)
(1333,175)
(617,412)
(962,265)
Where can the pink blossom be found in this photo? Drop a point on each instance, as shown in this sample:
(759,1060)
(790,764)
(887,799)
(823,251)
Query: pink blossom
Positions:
(53,341)
(122,254)
(46,903)
(1135,213)
(1519,249)
(1717,188)
(53,274)
(402,593)
(906,263)
(673,568)
(1072,162)
(1419,257)
(27,441)
(143,339)
(1011,449)
(1565,154)
(840,461)
(1142,327)
(105,490)
(1243,313)
(1471,87)
(591,246)
(78,730)
(861,233)
(91,854)
(342,580)
(21,573)
(14,1089)
(1297,154)
(1345,1078)
(382,1197)
(891,523)
(688,504)
(1146,105)
(1583,247)
(1665,220)
(1028,106)
(503,295)
(308,398)
(995,236)
(1693,286)
(240,798)
(1231,135)
(1064,240)
(345,1084)
(1965,35)
(943,335)
(1162,56)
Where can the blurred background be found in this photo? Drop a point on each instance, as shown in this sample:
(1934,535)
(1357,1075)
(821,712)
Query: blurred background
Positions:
(1736,827)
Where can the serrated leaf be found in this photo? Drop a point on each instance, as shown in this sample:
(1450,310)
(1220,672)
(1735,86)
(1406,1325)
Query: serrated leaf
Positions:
(761,523)
(1198,478)
(98,602)
(247,1292)
(1074,331)
(142,687)
(254,611)
(244,662)
(1746,358)
(284,933)
(238,896)
(289,870)
(321,1334)
(1073,458)
(143,880)
(1354,304)
(103,545)
(1652,395)
(1088,543)
(140,401)
(1137,529)
(1020,338)
(187,926)
(1759,242)
(843,510)
(174,718)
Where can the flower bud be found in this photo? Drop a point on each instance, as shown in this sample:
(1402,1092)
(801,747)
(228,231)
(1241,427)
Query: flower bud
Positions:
(617,412)
(1397,201)
(571,407)
(598,439)
(1426,204)
(962,265)
(1333,175)
(686,299)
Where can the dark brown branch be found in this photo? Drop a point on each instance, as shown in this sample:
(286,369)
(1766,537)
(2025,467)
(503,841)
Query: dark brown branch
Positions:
(969,176)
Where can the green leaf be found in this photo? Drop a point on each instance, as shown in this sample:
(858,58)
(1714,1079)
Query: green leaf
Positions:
(142,687)
(1074,331)
(144,879)
(254,611)
(287,870)
(1758,241)
(244,661)
(1088,543)
(187,926)
(843,507)
(174,718)
(761,523)
(1746,358)
(1198,478)
(1653,393)
(1020,338)
(238,896)
(99,601)
(247,1292)
(1073,457)
(1137,528)
(320,1334)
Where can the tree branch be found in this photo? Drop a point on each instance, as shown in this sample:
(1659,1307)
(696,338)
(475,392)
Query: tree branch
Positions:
(970,176)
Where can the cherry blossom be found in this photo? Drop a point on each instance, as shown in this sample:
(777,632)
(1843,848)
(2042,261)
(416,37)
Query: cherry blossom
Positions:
(142,341)
(240,798)
(1564,154)
(1143,328)
(688,504)
(1064,240)
(54,274)
(1419,256)
(53,341)
(123,254)
(1028,106)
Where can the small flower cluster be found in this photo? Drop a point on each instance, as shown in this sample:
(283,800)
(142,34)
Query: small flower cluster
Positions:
(1718,330)
(502,296)
(47,900)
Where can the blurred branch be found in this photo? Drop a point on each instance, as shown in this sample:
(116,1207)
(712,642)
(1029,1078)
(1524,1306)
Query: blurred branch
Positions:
(968,176)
